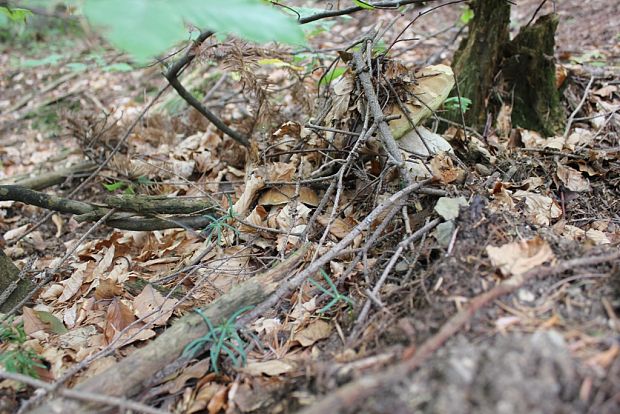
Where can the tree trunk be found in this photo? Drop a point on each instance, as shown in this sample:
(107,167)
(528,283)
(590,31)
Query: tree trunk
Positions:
(475,63)
(525,65)
(529,72)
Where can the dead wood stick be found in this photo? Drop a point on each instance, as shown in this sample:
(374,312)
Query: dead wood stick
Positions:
(51,178)
(389,143)
(125,221)
(356,391)
(355,9)
(83,396)
(127,377)
(160,204)
(172,75)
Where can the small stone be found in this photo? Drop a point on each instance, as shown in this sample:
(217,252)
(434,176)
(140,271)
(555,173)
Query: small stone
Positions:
(525,295)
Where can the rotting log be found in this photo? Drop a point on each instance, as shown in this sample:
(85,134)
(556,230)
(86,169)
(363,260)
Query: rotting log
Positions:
(128,376)
(12,288)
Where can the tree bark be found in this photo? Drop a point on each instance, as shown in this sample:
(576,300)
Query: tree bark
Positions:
(475,63)
(528,70)
(492,70)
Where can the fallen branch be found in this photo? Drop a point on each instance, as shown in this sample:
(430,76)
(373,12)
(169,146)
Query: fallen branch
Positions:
(127,377)
(172,75)
(51,178)
(125,221)
(353,393)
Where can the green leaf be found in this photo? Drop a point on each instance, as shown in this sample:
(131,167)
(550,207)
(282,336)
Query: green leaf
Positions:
(55,325)
(118,67)
(452,104)
(467,15)
(15,14)
(77,66)
(52,59)
(249,19)
(114,186)
(142,28)
(363,5)
(147,28)
(332,75)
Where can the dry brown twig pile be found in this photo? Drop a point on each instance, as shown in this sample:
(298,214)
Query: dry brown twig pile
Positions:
(359,200)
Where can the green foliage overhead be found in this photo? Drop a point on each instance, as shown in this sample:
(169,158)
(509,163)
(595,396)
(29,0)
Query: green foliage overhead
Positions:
(147,28)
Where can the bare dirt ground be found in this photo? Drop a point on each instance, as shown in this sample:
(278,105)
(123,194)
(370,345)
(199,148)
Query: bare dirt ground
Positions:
(551,345)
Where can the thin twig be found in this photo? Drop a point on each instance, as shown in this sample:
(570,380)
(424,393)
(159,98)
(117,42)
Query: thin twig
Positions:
(571,118)
(172,75)
(355,9)
(401,247)
(120,403)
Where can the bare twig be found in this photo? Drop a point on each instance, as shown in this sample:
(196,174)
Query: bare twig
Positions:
(172,75)
(363,72)
(355,9)
(571,118)
(401,247)
(83,395)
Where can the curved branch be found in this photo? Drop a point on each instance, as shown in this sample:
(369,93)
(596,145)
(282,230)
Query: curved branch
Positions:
(172,75)
(125,221)
(355,9)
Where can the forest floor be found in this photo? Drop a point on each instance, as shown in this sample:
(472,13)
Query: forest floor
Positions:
(496,310)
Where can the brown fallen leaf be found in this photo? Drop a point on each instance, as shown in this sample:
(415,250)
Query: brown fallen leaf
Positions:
(312,333)
(32,323)
(117,318)
(572,179)
(519,257)
(153,307)
(271,368)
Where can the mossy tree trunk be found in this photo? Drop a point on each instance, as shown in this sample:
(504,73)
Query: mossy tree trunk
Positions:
(529,71)
(475,63)
(525,67)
